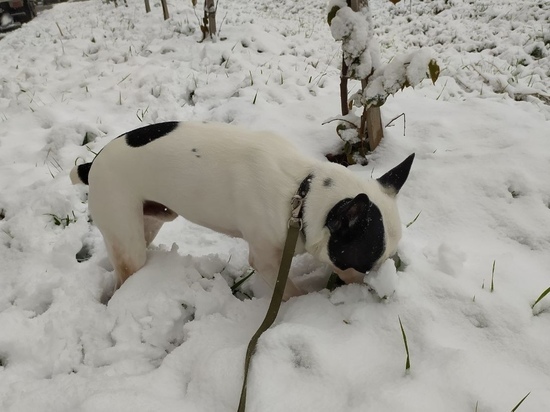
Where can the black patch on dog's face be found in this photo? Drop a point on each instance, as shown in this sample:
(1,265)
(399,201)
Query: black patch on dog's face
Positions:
(143,135)
(327,182)
(357,237)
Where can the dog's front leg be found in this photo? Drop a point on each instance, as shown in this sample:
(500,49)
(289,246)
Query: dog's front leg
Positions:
(265,262)
(291,290)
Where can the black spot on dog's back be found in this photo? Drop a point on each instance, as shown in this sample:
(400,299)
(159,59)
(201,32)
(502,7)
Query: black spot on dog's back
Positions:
(143,135)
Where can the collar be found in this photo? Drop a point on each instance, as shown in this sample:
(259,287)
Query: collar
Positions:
(297,203)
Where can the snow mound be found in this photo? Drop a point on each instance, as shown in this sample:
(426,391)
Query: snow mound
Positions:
(384,280)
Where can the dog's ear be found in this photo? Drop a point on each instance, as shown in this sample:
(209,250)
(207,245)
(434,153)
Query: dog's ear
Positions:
(396,177)
(347,213)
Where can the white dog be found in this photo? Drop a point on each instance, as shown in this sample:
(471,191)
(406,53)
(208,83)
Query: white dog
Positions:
(240,183)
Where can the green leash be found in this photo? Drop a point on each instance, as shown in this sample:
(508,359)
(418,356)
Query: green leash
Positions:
(294,227)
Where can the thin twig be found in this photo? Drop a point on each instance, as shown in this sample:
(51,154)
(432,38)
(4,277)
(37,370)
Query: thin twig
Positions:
(344,88)
(221,24)
(341,120)
(59,28)
(397,117)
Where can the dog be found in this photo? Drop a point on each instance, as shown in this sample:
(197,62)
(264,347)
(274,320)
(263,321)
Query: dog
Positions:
(240,183)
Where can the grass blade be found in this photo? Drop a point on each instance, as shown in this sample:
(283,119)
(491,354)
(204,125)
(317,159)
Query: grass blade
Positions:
(542,295)
(333,282)
(414,220)
(124,78)
(59,28)
(235,287)
(493,277)
(408,362)
(520,402)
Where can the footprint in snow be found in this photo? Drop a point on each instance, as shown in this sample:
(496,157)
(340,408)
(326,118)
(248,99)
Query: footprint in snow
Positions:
(302,357)
(450,259)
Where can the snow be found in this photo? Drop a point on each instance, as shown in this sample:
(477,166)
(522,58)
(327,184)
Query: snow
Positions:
(384,279)
(403,71)
(173,337)
(354,30)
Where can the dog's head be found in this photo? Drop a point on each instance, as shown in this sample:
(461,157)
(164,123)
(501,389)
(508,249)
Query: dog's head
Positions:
(365,230)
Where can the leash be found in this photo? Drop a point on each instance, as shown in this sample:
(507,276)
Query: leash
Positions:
(295,225)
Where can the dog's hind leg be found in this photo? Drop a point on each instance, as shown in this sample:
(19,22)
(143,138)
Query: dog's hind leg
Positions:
(120,220)
(127,259)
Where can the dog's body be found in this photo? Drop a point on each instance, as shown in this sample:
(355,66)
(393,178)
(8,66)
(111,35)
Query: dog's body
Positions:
(240,183)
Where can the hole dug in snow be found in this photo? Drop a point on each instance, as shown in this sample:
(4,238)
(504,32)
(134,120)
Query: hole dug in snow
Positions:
(84,254)
(514,192)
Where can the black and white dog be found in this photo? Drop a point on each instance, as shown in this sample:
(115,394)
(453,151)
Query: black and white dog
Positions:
(240,183)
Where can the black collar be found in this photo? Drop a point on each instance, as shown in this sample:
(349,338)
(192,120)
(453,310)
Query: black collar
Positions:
(303,190)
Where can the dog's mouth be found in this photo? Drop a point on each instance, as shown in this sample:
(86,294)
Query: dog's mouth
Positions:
(350,275)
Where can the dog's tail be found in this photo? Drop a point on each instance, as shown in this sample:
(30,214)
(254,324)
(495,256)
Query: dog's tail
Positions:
(79,174)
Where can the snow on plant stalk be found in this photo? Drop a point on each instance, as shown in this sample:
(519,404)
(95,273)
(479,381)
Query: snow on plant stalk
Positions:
(351,23)
(401,72)
(208,26)
(354,30)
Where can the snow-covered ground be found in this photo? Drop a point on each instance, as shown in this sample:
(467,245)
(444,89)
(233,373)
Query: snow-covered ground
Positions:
(173,337)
